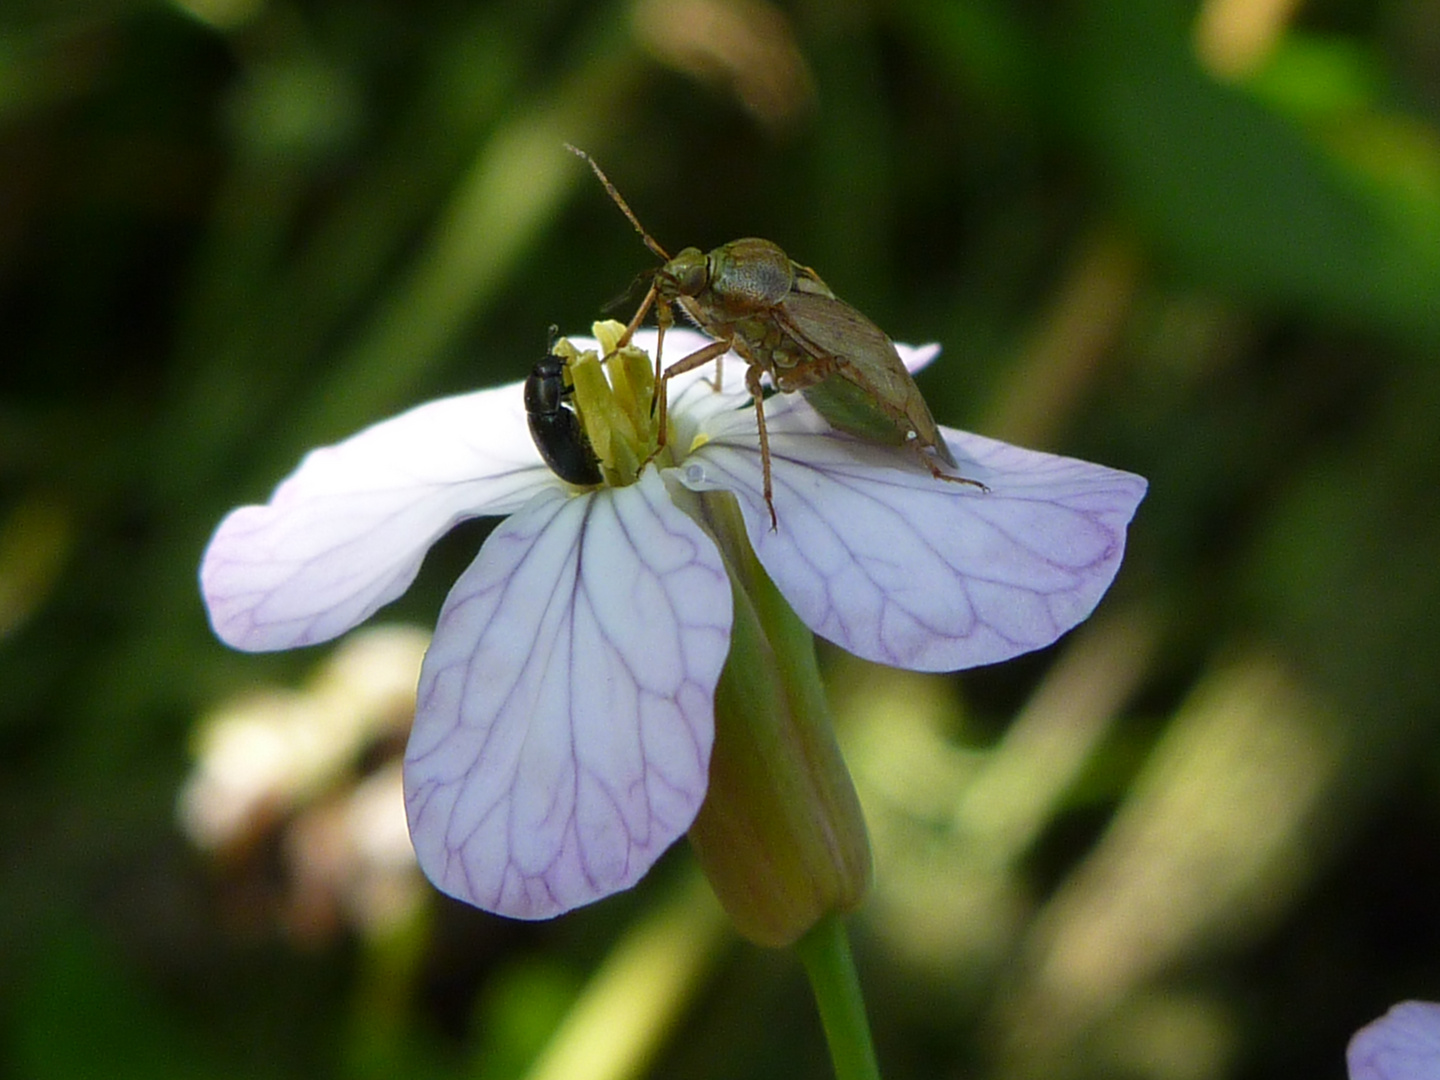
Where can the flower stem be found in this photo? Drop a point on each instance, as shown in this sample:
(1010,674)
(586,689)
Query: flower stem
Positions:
(825,952)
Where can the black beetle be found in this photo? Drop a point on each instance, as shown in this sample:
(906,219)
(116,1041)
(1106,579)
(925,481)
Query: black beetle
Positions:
(554,425)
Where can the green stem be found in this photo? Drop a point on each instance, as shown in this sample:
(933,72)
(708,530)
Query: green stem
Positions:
(825,952)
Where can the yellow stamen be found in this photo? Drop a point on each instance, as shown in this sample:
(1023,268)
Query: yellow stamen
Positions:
(613,398)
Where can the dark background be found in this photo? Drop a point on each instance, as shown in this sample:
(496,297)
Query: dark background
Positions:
(1199,838)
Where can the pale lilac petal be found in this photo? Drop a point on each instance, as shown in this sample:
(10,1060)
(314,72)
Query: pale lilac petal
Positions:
(891,564)
(566,707)
(346,532)
(917,357)
(1404,1044)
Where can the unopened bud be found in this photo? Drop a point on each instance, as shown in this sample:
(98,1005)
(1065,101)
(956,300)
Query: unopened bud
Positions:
(781,835)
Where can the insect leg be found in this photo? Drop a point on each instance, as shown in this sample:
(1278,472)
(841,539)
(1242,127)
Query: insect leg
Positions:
(663,318)
(928,460)
(698,317)
(688,363)
(752,383)
(640,314)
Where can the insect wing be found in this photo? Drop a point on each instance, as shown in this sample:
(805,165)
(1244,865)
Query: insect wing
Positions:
(562,443)
(866,358)
(851,408)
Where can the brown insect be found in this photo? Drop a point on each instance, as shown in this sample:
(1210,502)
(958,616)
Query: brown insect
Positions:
(785,322)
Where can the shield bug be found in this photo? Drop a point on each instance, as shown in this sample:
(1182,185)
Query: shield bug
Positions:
(554,425)
(785,322)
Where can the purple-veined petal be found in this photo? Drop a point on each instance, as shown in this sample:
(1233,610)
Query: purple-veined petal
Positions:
(346,532)
(1404,1044)
(566,706)
(891,564)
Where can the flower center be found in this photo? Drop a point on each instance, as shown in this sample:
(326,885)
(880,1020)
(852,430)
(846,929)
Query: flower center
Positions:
(614,398)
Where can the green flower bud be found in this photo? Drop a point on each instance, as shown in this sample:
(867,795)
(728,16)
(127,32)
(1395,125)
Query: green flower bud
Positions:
(780,836)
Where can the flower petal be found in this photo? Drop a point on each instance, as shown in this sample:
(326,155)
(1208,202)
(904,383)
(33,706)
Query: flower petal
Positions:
(566,707)
(1404,1044)
(346,532)
(917,357)
(891,564)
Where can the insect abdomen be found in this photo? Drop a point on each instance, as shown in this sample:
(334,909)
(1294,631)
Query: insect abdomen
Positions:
(853,410)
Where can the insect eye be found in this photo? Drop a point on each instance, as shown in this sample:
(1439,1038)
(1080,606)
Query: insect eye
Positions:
(690,270)
(695,279)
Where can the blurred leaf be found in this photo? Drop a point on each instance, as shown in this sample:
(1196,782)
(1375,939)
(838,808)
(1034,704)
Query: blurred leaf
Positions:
(1315,78)
(84,1014)
(1234,192)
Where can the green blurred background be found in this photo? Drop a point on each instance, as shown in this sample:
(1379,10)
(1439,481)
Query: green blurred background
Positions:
(1199,838)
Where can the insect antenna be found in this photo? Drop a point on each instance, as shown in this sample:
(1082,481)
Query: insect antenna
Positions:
(637,287)
(619,201)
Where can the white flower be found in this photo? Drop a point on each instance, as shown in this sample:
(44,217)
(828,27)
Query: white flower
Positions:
(1404,1044)
(565,710)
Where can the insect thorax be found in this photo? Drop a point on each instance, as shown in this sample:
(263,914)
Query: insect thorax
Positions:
(763,342)
(749,275)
